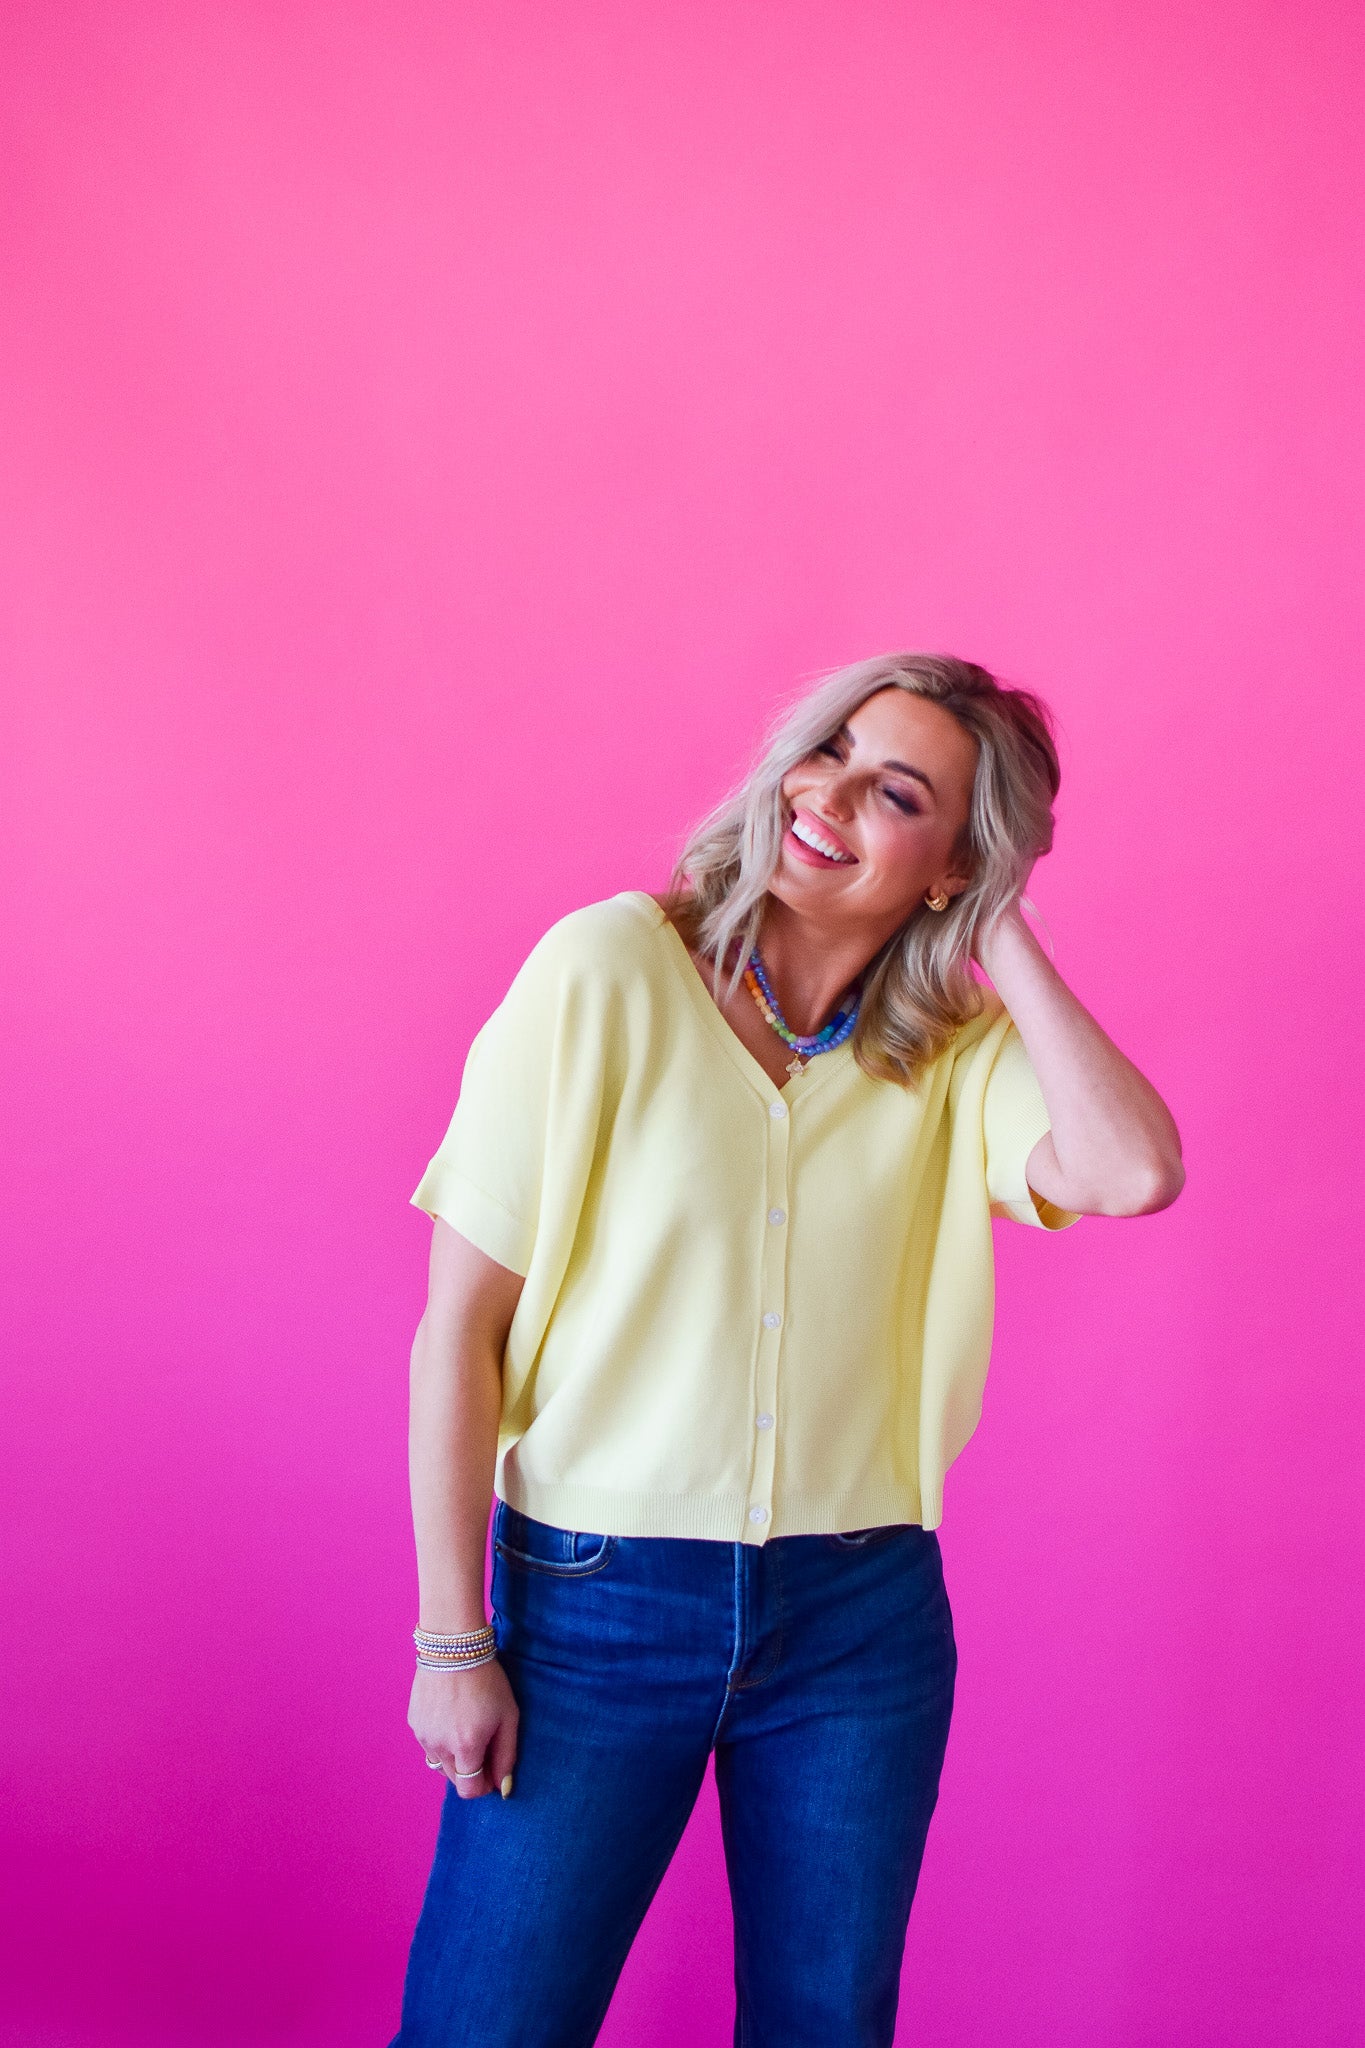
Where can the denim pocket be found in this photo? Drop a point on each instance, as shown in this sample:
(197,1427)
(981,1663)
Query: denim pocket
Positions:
(859,1539)
(531,1546)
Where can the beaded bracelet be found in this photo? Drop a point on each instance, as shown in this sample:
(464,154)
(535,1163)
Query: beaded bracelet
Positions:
(455,1652)
(450,1664)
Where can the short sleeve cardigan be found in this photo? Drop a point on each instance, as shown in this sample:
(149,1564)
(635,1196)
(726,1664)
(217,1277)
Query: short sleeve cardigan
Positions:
(748,1311)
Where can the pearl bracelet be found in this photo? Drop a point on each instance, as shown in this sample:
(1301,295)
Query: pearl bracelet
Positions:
(455,1652)
(454,1664)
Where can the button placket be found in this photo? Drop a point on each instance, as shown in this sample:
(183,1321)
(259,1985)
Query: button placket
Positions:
(772,1308)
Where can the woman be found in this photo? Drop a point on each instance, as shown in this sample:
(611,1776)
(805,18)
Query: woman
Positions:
(711,1297)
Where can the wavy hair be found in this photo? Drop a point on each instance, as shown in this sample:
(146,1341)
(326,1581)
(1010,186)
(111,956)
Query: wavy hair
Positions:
(919,990)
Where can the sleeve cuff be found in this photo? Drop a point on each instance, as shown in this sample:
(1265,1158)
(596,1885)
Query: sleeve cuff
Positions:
(486,1224)
(1016,1199)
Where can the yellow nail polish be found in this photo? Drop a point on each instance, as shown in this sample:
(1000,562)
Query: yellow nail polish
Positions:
(506,1787)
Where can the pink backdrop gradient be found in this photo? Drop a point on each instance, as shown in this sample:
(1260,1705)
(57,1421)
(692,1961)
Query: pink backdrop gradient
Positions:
(435,438)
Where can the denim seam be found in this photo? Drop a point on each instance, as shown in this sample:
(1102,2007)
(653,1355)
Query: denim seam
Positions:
(520,1561)
(779,1632)
(737,1613)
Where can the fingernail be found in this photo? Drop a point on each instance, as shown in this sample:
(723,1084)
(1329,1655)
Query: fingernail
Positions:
(506,1787)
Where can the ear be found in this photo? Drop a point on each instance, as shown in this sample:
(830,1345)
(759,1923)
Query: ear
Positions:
(959,875)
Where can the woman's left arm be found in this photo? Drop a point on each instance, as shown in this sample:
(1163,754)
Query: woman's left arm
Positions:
(1113,1149)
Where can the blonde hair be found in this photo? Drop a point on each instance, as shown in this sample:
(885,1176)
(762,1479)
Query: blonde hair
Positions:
(919,989)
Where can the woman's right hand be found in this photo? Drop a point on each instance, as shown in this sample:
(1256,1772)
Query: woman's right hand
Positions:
(465,1721)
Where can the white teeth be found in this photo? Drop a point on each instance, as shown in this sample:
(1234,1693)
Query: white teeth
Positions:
(810,837)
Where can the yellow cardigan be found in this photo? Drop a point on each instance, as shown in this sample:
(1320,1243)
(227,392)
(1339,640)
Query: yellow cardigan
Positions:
(747,1311)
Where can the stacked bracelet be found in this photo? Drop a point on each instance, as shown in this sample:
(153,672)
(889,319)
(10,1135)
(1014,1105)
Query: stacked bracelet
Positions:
(455,1653)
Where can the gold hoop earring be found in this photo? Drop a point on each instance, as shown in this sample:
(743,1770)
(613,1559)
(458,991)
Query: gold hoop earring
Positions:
(938,902)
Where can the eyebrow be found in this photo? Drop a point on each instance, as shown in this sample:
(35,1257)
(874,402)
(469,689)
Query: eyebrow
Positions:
(899,767)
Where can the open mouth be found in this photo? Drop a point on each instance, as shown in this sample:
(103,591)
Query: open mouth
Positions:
(818,846)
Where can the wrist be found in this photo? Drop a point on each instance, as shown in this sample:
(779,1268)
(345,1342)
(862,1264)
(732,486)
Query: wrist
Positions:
(455,1650)
(454,1600)
(1006,931)
(441,1670)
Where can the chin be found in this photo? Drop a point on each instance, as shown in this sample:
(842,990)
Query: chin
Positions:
(803,888)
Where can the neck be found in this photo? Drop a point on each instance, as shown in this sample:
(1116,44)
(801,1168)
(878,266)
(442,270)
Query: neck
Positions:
(811,966)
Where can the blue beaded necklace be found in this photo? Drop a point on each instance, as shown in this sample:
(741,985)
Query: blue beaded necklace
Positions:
(803,1045)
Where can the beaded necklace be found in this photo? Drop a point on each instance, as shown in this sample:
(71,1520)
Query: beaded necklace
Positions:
(834,1033)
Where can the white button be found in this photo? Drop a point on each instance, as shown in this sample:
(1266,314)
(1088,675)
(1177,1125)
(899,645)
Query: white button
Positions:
(777,1215)
(771,1320)
(758,1514)
(763,1422)
(777,1110)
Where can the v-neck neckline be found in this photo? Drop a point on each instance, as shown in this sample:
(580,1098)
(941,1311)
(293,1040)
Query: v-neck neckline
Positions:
(818,1069)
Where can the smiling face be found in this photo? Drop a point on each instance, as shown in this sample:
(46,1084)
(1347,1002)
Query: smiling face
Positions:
(874,815)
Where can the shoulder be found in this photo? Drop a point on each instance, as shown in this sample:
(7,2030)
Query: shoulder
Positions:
(598,946)
(976,1044)
(983,1033)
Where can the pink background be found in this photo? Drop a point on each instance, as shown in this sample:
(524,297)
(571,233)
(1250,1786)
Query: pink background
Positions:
(435,439)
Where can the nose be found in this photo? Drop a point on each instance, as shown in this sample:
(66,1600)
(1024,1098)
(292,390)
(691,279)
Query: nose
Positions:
(836,792)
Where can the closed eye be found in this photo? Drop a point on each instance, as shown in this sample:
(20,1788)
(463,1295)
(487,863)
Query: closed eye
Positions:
(903,803)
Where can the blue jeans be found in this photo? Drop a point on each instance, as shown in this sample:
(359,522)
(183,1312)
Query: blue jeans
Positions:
(820,1669)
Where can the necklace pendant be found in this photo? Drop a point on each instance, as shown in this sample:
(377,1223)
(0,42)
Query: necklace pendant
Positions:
(794,1066)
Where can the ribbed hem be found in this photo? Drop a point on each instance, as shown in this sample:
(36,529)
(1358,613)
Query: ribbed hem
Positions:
(722,1517)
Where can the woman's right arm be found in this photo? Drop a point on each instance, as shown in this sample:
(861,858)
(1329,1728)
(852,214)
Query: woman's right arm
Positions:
(467,1719)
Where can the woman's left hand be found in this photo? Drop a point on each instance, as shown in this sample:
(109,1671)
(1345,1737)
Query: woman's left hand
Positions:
(983,943)
(1112,1148)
